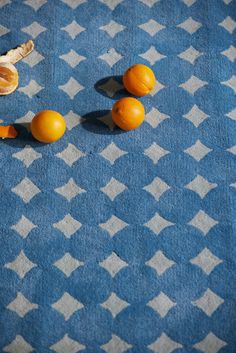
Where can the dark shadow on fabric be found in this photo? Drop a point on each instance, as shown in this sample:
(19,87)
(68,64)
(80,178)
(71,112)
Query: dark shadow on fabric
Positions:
(100,122)
(114,87)
(24,137)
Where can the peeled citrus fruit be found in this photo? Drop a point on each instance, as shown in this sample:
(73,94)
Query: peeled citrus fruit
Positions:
(128,113)
(8,78)
(48,126)
(139,80)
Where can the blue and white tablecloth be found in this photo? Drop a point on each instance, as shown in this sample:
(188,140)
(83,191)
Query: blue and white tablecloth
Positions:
(111,241)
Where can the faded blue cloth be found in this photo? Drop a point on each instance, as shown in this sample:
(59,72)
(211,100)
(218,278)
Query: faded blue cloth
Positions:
(115,241)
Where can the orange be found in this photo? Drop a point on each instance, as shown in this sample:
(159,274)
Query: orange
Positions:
(8,78)
(48,126)
(128,113)
(139,80)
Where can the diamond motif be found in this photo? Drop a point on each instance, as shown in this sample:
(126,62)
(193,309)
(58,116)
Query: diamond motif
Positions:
(3,30)
(4,3)
(209,302)
(27,155)
(227,2)
(68,264)
(73,29)
(113,225)
(157,188)
(162,304)
(232,114)
(23,226)
(158,223)
(113,264)
(112,4)
(196,116)
(206,261)
(26,190)
(155,117)
(112,153)
(19,345)
(68,225)
(69,190)
(111,57)
(193,84)
(70,154)
(107,120)
(116,345)
(31,89)
(160,262)
(67,345)
(21,305)
(210,344)
(114,304)
(190,25)
(203,222)
(33,59)
(230,53)
(201,186)
(74,3)
(71,88)
(72,120)
(67,305)
(190,55)
(111,87)
(72,58)
(152,55)
(35,4)
(198,150)
(189,2)
(151,27)
(233,185)
(232,150)
(164,344)
(155,152)
(34,30)
(158,87)
(26,119)
(231,83)
(112,28)
(149,3)
(229,24)
(21,265)
(113,188)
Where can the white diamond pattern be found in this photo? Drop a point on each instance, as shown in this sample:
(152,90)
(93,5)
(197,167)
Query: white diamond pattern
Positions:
(116,345)
(113,264)
(151,27)
(198,151)
(196,115)
(70,154)
(114,304)
(21,305)
(23,227)
(68,264)
(72,58)
(158,223)
(209,302)
(68,225)
(67,345)
(201,186)
(67,305)
(18,345)
(34,30)
(152,55)
(112,153)
(206,261)
(155,117)
(191,55)
(210,344)
(31,89)
(26,190)
(160,263)
(155,152)
(111,57)
(113,188)
(190,25)
(164,344)
(112,28)
(73,29)
(162,304)
(203,222)
(70,190)
(113,225)
(21,265)
(71,88)
(27,155)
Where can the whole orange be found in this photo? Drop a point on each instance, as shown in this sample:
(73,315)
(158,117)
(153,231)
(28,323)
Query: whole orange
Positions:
(139,80)
(48,126)
(128,113)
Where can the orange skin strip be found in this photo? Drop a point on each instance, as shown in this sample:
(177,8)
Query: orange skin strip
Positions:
(8,132)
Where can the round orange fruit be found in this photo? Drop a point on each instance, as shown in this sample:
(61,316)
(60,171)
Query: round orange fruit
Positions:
(139,80)
(128,113)
(48,126)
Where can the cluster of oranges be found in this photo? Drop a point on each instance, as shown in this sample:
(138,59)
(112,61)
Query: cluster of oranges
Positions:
(127,113)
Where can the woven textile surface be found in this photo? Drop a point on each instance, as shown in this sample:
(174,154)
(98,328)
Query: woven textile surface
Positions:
(116,241)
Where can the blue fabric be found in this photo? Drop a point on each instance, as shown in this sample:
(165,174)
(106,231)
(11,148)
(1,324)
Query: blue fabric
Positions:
(160,276)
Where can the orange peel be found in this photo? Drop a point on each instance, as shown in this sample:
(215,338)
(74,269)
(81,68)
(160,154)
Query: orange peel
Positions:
(8,132)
